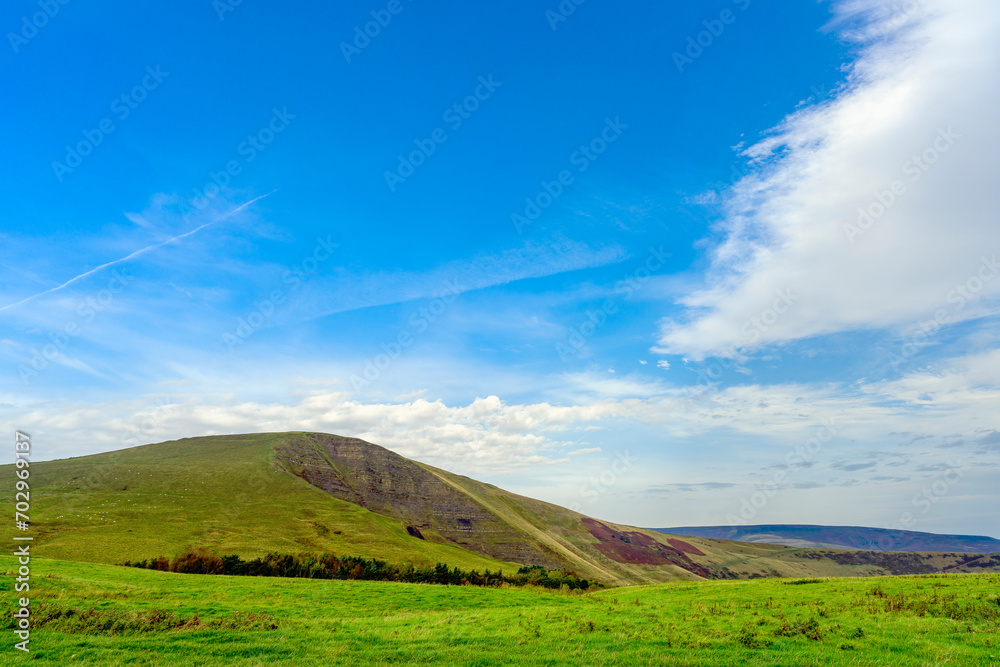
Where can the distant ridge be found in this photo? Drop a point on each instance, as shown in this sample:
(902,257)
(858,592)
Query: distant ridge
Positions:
(843,537)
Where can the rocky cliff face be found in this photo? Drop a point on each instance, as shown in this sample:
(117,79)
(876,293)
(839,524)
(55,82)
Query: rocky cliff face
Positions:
(439,506)
(384,482)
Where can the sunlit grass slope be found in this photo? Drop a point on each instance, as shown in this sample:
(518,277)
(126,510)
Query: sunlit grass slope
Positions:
(222,492)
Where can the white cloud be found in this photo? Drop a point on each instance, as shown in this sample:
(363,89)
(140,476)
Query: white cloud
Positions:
(485,435)
(918,110)
(585,450)
(964,389)
(490,436)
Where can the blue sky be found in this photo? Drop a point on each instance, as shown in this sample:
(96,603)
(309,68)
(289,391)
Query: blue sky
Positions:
(669,264)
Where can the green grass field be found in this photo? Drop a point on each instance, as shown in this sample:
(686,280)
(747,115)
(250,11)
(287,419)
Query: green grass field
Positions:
(94,614)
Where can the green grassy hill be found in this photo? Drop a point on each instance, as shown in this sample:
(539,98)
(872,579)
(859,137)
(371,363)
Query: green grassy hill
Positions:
(224,492)
(312,492)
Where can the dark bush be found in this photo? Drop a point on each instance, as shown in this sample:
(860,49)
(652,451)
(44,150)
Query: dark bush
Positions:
(328,566)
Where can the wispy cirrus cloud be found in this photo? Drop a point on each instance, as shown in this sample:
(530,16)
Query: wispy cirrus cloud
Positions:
(688,488)
(136,254)
(342,291)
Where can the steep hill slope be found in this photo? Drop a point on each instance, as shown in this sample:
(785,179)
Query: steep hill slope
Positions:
(313,492)
(222,491)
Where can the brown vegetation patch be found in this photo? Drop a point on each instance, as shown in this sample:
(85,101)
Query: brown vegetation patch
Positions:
(681,545)
(635,547)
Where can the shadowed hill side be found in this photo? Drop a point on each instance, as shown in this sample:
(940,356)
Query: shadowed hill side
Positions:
(385,482)
(438,505)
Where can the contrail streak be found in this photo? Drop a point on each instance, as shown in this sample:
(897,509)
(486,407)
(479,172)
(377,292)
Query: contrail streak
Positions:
(135,254)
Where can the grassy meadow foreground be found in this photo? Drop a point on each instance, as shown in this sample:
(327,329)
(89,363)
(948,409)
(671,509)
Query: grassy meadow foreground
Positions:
(84,613)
